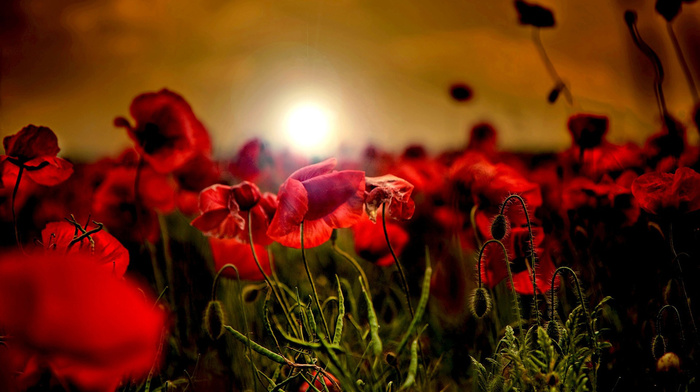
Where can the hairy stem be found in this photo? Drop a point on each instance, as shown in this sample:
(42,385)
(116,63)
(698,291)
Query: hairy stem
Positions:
(311,280)
(404,282)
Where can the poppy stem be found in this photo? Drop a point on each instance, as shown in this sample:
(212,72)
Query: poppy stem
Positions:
(311,280)
(14,213)
(683,62)
(550,66)
(169,273)
(678,319)
(631,20)
(533,259)
(510,278)
(404,282)
(352,261)
(579,293)
(285,309)
(677,261)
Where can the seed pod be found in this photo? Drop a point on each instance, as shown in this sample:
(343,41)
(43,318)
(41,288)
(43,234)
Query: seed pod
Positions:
(553,330)
(499,227)
(480,302)
(658,346)
(214,319)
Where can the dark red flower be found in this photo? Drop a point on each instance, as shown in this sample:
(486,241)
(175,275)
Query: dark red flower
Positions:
(615,196)
(371,245)
(197,174)
(69,317)
(669,9)
(127,217)
(224,212)
(533,14)
(587,130)
(104,249)
(393,191)
(34,148)
(483,138)
(167,133)
(232,251)
(460,92)
(330,381)
(668,193)
(322,198)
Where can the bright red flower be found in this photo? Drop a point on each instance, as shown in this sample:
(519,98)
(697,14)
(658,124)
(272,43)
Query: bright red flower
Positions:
(35,149)
(668,193)
(69,317)
(393,191)
(107,251)
(167,133)
(371,245)
(224,212)
(231,251)
(543,276)
(320,197)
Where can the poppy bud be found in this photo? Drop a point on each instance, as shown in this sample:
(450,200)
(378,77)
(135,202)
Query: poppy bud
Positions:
(480,302)
(669,362)
(499,227)
(658,346)
(246,195)
(214,319)
(553,330)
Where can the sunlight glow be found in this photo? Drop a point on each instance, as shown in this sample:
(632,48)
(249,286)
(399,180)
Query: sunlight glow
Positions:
(308,128)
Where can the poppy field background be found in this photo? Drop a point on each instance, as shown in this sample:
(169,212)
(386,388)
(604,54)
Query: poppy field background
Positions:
(173,265)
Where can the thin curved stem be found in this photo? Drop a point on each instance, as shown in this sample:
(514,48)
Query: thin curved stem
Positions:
(14,213)
(311,280)
(267,278)
(404,282)
(678,319)
(631,19)
(677,261)
(533,258)
(550,66)
(353,262)
(510,278)
(683,62)
(579,293)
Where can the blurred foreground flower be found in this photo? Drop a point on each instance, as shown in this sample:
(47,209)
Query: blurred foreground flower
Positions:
(322,198)
(68,317)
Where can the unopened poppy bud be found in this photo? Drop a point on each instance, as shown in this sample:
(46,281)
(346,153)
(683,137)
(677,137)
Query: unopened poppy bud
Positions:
(480,302)
(553,330)
(214,319)
(669,362)
(499,227)
(658,346)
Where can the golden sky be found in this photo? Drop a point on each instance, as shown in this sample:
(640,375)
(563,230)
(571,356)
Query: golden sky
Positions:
(383,67)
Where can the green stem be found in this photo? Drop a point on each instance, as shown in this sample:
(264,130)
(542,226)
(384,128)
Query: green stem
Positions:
(352,261)
(579,293)
(533,259)
(169,272)
(678,319)
(284,306)
(510,278)
(311,280)
(404,282)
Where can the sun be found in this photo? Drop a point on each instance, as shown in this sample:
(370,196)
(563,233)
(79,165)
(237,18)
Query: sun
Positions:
(309,127)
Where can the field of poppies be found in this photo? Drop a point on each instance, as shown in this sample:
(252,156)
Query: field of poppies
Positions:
(168,269)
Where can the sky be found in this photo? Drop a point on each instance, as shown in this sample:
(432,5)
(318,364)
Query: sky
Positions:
(381,69)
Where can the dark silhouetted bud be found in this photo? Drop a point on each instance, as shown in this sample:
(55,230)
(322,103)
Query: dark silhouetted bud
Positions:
(553,330)
(499,227)
(480,302)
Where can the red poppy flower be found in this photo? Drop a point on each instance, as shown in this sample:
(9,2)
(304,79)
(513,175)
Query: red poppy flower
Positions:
(107,251)
(393,191)
(533,14)
(668,193)
(543,276)
(371,245)
(224,212)
(232,251)
(115,203)
(167,133)
(330,381)
(427,175)
(34,148)
(587,130)
(320,197)
(582,192)
(197,174)
(69,317)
